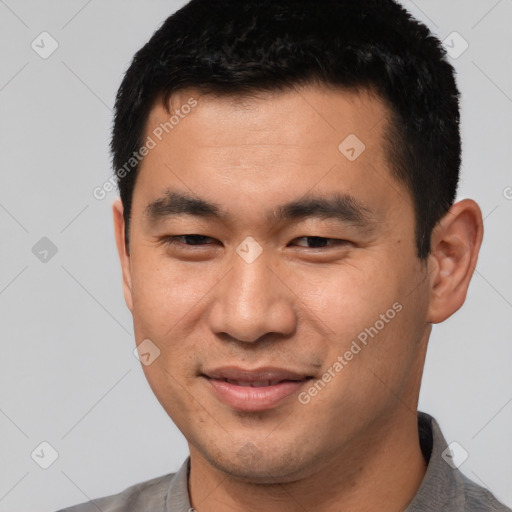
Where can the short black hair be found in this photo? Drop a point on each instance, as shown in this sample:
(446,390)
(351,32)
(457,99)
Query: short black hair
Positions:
(240,47)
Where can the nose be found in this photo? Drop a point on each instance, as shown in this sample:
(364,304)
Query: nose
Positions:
(251,301)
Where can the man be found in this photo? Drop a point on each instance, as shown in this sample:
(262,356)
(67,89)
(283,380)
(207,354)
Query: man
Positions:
(288,235)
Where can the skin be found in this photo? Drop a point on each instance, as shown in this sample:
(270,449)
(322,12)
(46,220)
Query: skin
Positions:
(355,445)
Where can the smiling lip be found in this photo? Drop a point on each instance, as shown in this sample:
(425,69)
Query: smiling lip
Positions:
(254,390)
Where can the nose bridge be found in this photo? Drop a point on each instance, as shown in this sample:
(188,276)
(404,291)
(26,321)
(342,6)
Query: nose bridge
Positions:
(251,302)
(250,289)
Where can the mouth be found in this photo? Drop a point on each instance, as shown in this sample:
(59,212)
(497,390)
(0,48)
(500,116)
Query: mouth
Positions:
(257,384)
(254,390)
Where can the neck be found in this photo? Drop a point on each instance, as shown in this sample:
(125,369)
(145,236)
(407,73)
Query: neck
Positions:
(381,470)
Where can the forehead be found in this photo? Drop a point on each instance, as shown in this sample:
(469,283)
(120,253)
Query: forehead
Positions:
(268,147)
(320,110)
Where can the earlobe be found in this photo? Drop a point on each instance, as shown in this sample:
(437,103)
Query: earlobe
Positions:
(455,244)
(124,257)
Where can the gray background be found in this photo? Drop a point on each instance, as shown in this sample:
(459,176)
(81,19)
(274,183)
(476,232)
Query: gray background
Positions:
(68,374)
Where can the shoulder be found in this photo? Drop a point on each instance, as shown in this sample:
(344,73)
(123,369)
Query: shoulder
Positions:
(477,498)
(444,486)
(148,495)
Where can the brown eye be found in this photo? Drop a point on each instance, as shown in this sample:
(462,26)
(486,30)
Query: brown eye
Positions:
(186,240)
(319,242)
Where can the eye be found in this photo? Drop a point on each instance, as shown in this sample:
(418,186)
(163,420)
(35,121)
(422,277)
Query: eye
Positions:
(190,240)
(319,242)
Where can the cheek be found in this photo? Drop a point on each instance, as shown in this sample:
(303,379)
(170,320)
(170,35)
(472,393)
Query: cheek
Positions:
(348,297)
(168,304)
(172,389)
(163,293)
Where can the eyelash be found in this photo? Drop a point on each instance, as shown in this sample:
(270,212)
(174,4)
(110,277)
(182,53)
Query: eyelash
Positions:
(175,240)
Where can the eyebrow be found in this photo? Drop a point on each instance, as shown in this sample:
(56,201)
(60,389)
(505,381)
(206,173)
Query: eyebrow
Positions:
(342,207)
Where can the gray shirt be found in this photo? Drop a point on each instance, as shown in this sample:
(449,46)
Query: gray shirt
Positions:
(444,488)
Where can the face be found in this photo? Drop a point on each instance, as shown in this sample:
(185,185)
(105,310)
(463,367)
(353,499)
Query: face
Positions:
(273,265)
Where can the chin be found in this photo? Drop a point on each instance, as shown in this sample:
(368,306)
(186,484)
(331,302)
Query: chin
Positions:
(250,464)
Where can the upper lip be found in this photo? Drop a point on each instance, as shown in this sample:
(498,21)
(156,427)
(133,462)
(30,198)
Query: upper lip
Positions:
(254,375)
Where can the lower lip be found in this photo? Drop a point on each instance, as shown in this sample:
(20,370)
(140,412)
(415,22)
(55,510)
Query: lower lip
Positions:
(246,398)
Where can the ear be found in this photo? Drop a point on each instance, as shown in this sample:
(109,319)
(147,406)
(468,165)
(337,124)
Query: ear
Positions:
(124,257)
(455,243)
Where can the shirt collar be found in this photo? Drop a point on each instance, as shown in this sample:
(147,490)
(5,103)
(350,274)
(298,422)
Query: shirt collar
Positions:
(177,499)
(442,487)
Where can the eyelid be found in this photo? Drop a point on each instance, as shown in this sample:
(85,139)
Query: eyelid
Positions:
(337,241)
(174,240)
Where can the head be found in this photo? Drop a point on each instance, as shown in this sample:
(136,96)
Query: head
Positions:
(311,150)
